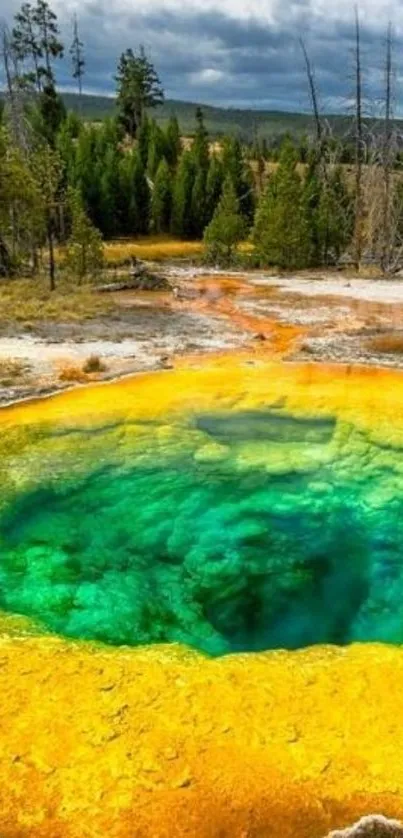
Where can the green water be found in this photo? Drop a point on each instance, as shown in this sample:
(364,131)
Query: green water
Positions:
(244,531)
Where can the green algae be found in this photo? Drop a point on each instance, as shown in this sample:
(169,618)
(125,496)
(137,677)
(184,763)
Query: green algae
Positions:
(229,532)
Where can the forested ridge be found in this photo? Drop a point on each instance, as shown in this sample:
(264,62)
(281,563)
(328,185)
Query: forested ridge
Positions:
(68,181)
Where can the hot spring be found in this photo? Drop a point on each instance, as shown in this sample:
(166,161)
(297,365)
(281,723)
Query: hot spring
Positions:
(228,509)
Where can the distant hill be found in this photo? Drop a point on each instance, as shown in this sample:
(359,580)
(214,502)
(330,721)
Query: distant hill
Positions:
(245,123)
(219,121)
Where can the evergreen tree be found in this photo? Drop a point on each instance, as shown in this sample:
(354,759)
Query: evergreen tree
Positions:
(173,146)
(51,114)
(281,235)
(127,216)
(201,158)
(198,207)
(143,139)
(87,171)
(161,201)
(140,200)
(156,149)
(66,147)
(334,218)
(215,179)
(227,227)
(77,58)
(21,209)
(240,173)
(312,188)
(84,253)
(200,147)
(47,169)
(26,47)
(138,88)
(48,38)
(110,193)
(181,223)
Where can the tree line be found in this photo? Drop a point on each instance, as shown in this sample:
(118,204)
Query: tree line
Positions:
(66,181)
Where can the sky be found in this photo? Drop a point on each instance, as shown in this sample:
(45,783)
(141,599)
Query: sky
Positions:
(235,53)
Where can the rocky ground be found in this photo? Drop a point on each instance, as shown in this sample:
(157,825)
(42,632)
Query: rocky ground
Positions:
(310,317)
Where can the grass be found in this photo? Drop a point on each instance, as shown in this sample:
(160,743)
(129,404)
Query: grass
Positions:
(387,344)
(29,301)
(150,248)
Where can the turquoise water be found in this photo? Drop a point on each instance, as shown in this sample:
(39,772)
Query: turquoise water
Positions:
(288,533)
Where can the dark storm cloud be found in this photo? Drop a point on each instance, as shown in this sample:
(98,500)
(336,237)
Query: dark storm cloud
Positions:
(219,58)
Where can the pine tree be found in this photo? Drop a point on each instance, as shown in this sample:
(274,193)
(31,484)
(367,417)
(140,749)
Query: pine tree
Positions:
(143,139)
(173,145)
(161,201)
(156,149)
(312,189)
(66,147)
(140,200)
(127,225)
(138,88)
(36,42)
(110,194)
(201,158)
(200,147)
(49,38)
(281,233)
(334,218)
(47,170)
(181,223)
(242,179)
(84,252)
(26,46)
(226,228)
(215,179)
(21,208)
(77,58)
(51,113)
(87,171)
(198,205)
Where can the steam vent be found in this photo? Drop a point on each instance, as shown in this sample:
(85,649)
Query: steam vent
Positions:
(201,593)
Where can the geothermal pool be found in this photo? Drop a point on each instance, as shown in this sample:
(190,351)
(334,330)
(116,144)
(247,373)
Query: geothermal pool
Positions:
(229,508)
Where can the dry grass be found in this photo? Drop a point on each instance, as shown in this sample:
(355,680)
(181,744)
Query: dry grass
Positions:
(387,344)
(11,371)
(73,373)
(150,248)
(82,374)
(29,300)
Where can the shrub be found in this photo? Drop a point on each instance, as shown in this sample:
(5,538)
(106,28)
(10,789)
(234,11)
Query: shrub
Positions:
(94,364)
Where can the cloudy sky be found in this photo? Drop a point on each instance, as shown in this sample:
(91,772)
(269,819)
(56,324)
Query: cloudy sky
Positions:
(237,52)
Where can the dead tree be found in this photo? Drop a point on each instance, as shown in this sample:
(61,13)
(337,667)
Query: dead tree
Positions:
(359,147)
(313,94)
(387,161)
(15,97)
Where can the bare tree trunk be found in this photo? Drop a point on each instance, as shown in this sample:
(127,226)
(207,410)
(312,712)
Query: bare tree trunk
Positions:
(313,94)
(14,93)
(6,60)
(359,147)
(51,252)
(5,259)
(387,158)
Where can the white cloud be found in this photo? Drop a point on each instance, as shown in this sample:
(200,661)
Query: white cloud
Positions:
(267,11)
(238,51)
(208,76)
